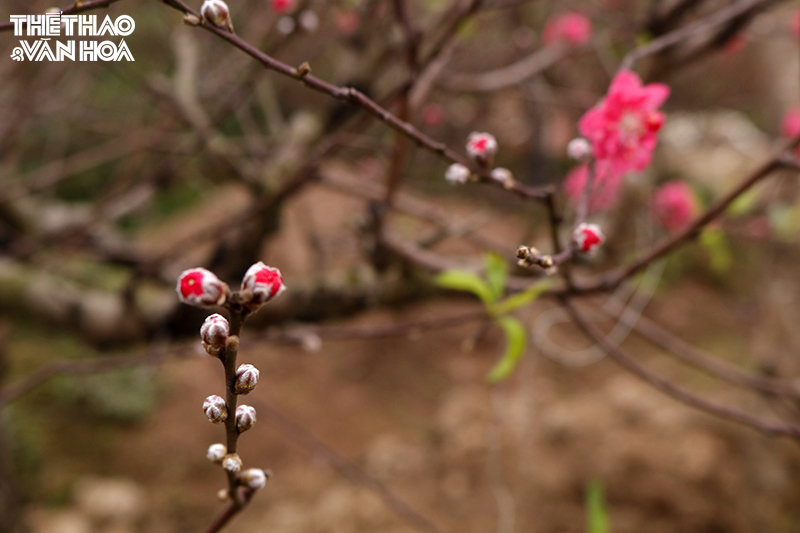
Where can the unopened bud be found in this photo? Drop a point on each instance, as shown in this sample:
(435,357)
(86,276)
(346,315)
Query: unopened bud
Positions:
(588,237)
(214,333)
(579,149)
(246,379)
(282,6)
(198,286)
(232,462)
(481,148)
(223,495)
(264,282)
(457,174)
(245,417)
(504,176)
(254,478)
(215,409)
(216,452)
(217,13)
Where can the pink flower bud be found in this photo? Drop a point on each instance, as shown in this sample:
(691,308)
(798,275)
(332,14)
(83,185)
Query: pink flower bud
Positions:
(232,462)
(503,176)
(570,27)
(579,149)
(198,286)
(254,478)
(217,13)
(796,23)
(245,417)
(265,282)
(588,237)
(675,205)
(246,378)
(482,147)
(215,409)
(214,332)
(216,452)
(457,174)
(281,6)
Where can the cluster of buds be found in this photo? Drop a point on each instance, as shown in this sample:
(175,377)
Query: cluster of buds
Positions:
(588,238)
(199,287)
(529,256)
(217,13)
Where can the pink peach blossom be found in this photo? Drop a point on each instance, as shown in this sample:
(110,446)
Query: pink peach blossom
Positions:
(675,205)
(623,127)
(282,6)
(571,27)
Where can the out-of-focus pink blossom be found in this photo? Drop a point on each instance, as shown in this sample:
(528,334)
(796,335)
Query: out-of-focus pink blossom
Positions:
(281,6)
(790,127)
(734,45)
(675,205)
(605,186)
(433,114)
(796,23)
(570,27)
(347,21)
(623,127)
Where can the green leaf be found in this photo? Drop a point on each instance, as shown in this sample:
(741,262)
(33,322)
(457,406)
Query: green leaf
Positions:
(516,342)
(717,246)
(596,512)
(496,274)
(520,299)
(462,280)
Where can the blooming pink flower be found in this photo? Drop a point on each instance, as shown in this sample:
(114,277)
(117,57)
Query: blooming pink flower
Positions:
(623,127)
(198,286)
(281,6)
(572,27)
(675,205)
(265,282)
(605,186)
(588,237)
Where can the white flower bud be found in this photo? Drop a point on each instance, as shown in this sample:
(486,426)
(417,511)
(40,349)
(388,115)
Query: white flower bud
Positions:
(504,176)
(264,282)
(214,332)
(217,13)
(215,409)
(232,462)
(457,174)
(588,237)
(216,452)
(254,478)
(579,149)
(481,148)
(246,379)
(245,417)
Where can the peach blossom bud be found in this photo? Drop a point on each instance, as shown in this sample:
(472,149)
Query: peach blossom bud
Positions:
(215,409)
(245,417)
(281,6)
(198,286)
(264,282)
(588,237)
(675,205)
(232,462)
(570,27)
(246,378)
(254,478)
(481,148)
(579,149)
(457,174)
(504,176)
(214,333)
(217,13)
(216,452)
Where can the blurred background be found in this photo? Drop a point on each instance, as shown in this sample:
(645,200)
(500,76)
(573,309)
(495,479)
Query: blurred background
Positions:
(373,410)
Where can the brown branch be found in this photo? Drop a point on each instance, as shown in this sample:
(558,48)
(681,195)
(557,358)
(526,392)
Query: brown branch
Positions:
(673,390)
(230,511)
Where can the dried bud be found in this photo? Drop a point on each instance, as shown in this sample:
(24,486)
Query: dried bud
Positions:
(481,147)
(217,13)
(215,409)
(246,379)
(214,333)
(264,282)
(579,149)
(198,286)
(588,237)
(504,176)
(245,417)
(254,478)
(232,462)
(216,452)
(457,174)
